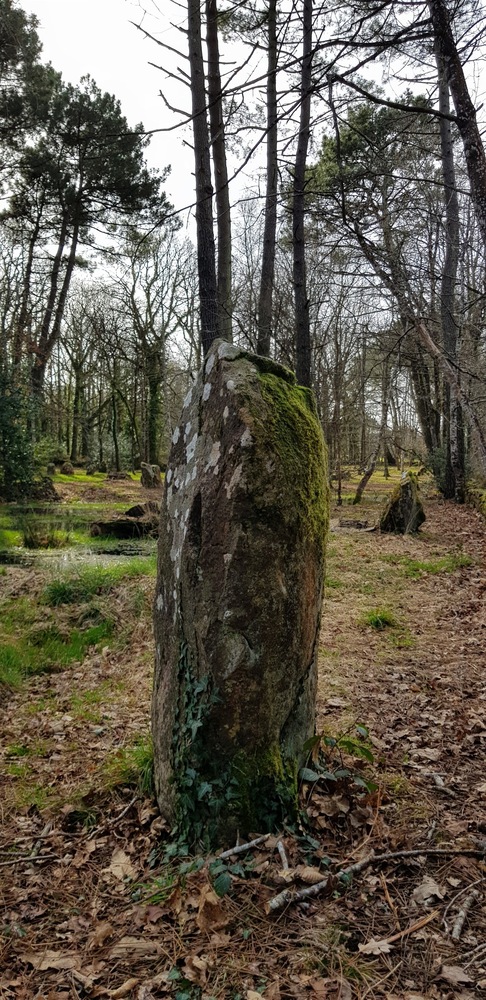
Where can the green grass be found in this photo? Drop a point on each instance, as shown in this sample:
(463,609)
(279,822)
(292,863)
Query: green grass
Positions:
(379,619)
(414,569)
(131,766)
(47,650)
(91,580)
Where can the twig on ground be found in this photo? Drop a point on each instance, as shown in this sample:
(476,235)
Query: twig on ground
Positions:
(453,901)
(114,820)
(474,955)
(463,912)
(389,900)
(283,856)
(441,785)
(241,848)
(417,926)
(120,815)
(287,896)
(28,857)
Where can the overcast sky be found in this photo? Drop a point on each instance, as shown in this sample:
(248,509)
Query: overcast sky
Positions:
(96,37)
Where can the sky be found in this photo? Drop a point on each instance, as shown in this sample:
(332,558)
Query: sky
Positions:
(96,37)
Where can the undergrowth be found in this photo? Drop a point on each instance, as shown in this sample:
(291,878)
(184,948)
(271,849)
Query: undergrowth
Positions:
(91,580)
(413,569)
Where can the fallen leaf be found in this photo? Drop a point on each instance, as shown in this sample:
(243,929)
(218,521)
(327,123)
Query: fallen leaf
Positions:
(195,969)
(308,874)
(211,916)
(427,891)
(134,947)
(375,947)
(219,940)
(100,934)
(454,974)
(145,993)
(43,960)
(121,866)
(253,995)
(123,990)
(319,988)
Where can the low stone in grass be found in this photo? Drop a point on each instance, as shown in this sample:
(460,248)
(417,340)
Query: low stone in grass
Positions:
(404,512)
(151,477)
(67,469)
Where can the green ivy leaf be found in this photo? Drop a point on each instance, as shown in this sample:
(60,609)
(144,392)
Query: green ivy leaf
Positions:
(222,884)
(306,774)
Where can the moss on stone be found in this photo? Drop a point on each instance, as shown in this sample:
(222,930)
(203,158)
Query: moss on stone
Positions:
(299,444)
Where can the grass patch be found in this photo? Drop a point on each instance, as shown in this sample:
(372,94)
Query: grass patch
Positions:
(92,580)
(379,619)
(414,569)
(47,650)
(131,766)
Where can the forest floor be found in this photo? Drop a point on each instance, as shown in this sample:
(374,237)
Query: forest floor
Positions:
(90,907)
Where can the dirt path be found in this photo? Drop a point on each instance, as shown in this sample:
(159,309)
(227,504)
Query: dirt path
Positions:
(90,908)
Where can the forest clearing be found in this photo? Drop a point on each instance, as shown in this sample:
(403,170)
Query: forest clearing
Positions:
(93,902)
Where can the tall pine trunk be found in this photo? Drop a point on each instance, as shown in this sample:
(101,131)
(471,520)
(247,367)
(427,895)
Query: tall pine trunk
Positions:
(206,251)
(302,325)
(265,299)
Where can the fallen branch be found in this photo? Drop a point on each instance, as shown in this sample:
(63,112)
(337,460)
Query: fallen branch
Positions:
(29,857)
(461,916)
(382,946)
(283,856)
(287,896)
(242,848)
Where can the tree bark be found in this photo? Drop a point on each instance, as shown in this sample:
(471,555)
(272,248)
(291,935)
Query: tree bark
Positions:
(454,479)
(465,111)
(302,326)
(218,146)
(265,299)
(206,252)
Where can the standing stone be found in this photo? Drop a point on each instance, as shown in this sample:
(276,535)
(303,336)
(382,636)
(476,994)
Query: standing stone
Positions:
(404,512)
(238,599)
(151,477)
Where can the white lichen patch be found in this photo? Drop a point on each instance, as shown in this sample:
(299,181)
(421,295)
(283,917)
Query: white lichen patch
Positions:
(188,399)
(191,448)
(225,413)
(246,439)
(233,483)
(160,602)
(187,430)
(176,435)
(230,385)
(210,364)
(228,351)
(227,558)
(214,456)
(206,392)
(168,476)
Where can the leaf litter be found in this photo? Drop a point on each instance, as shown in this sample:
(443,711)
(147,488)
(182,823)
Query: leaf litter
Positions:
(90,907)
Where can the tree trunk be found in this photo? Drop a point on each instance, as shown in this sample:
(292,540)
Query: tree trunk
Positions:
(206,254)
(465,111)
(454,478)
(302,324)
(218,146)
(265,299)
